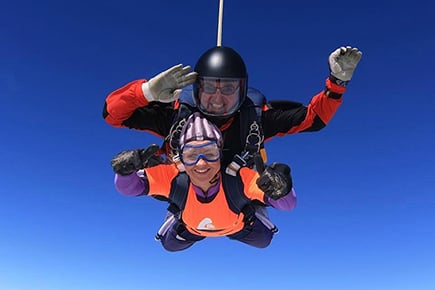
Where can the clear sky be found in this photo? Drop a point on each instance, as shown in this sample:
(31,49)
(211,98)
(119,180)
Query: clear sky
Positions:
(365,217)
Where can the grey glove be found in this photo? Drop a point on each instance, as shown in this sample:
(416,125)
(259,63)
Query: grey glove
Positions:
(342,63)
(129,161)
(166,86)
(276,180)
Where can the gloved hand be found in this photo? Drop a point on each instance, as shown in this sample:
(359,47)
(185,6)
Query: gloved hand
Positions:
(129,161)
(276,180)
(342,63)
(166,86)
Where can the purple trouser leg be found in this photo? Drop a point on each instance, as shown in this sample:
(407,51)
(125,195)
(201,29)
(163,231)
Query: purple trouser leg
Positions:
(176,237)
(256,235)
(172,242)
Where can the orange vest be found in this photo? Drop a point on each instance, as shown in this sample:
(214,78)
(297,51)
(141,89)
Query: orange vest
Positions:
(211,219)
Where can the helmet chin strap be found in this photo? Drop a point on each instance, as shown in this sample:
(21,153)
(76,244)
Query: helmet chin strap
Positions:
(214,180)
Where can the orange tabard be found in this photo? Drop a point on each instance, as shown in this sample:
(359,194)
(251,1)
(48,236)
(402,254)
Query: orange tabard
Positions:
(211,219)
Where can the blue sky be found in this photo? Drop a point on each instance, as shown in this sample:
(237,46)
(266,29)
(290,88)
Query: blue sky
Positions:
(365,217)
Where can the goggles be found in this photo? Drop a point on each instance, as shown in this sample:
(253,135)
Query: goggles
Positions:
(225,89)
(209,151)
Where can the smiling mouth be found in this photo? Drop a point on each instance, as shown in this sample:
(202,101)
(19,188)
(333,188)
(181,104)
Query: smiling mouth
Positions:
(216,106)
(202,171)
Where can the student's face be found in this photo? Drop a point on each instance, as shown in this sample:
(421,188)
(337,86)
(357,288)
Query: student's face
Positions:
(202,162)
(219,96)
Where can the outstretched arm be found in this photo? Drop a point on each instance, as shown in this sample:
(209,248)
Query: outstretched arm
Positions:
(131,184)
(137,172)
(147,105)
(126,165)
(322,107)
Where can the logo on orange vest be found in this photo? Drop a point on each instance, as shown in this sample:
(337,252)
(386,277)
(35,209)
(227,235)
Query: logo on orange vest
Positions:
(206,225)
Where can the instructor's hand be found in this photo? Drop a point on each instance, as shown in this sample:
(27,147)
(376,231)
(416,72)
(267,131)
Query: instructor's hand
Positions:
(166,86)
(343,62)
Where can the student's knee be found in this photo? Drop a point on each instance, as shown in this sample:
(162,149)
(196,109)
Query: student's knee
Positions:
(172,242)
(178,238)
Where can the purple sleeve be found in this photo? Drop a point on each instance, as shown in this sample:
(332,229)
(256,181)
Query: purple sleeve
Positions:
(287,202)
(132,184)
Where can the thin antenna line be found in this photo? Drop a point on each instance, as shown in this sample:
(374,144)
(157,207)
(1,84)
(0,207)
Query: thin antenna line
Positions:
(219,33)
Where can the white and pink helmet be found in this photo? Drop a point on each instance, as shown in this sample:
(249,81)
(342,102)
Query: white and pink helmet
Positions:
(198,128)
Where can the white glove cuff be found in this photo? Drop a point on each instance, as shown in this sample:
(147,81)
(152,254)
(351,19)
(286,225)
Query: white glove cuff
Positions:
(147,92)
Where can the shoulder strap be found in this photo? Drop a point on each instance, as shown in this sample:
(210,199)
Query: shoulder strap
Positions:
(236,198)
(252,108)
(251,131)
(178,194)
(233,188)
(258,101)
(254,134)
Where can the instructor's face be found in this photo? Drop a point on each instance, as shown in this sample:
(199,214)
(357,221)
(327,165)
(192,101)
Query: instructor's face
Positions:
(219,97)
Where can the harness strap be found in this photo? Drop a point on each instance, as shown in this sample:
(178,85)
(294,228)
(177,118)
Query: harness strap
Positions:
(250,115)
(235,195)
(239,202)
(178,194)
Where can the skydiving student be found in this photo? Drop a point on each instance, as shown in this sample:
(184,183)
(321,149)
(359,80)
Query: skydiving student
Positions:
(221,94)
(201,204)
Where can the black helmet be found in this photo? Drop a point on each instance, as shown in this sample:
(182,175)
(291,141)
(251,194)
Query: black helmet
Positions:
(221,64)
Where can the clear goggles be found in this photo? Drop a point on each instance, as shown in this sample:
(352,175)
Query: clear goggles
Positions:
(209,152)
(225,87)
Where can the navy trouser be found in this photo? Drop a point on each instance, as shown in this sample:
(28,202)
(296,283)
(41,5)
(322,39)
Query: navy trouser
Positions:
(177,238)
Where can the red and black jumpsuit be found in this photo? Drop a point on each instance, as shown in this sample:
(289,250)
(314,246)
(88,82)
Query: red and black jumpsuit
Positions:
(128,107)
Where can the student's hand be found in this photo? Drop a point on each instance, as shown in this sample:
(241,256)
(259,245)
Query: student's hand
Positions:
(166,86)
(129,161)
(342,64)
(276,180)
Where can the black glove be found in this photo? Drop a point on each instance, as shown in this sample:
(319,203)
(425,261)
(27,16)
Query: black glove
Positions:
(276,180)
(129,161)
